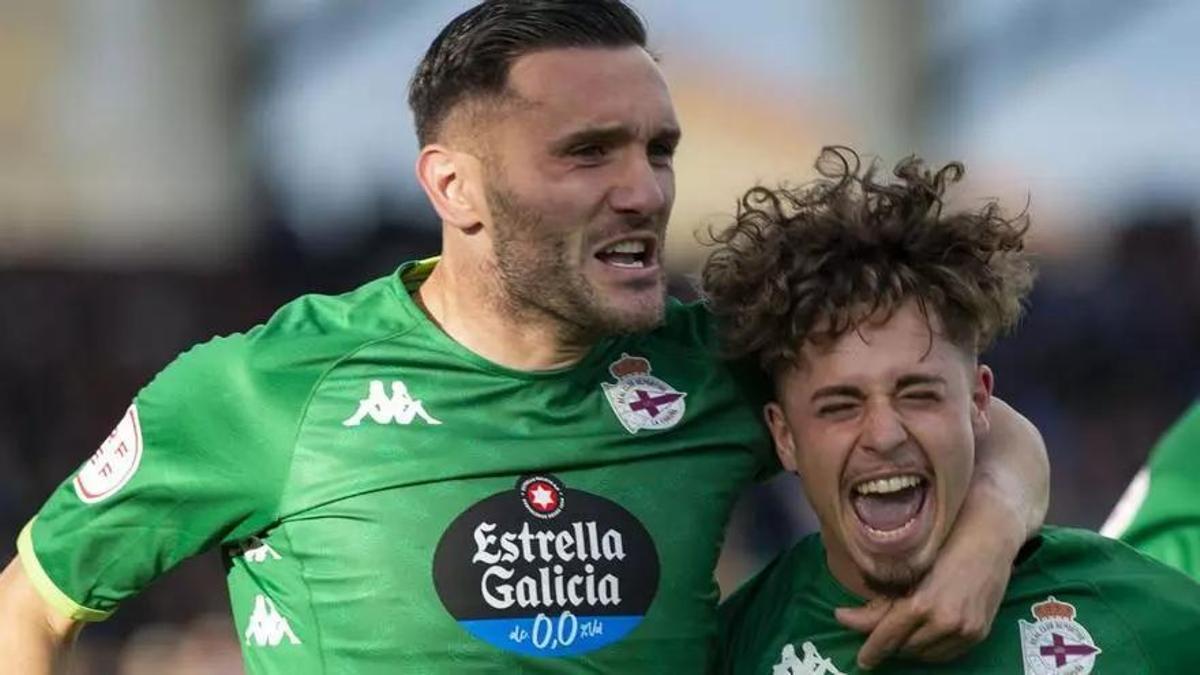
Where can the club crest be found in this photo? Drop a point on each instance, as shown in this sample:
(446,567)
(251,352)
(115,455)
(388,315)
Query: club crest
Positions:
(640,400)
(1056,644)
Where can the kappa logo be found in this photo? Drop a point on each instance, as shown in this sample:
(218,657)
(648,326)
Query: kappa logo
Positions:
(267,626)
(1056,644)
(114,463)
(812,663)
(255,550)
(640,400)
(399,408)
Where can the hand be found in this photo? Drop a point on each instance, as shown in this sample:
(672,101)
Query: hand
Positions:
(949,612)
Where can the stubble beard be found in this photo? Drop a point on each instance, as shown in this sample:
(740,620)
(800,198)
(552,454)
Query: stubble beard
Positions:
(893,579)
(536,281)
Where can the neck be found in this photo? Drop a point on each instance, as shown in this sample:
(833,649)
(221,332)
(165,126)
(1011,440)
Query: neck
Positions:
(465,301)
(843,569)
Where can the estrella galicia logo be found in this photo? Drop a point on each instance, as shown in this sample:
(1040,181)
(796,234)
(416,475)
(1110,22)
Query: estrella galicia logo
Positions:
(545,570)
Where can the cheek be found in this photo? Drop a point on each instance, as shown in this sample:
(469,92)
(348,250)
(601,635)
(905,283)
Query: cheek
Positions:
(820,468)
(953,454)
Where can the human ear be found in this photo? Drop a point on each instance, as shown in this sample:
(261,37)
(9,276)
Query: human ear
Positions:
(781,433)
(447,177)
(981,398)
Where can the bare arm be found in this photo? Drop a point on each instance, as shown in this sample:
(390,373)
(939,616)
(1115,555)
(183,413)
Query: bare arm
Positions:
(34,638)
(1010,492)
(953,607)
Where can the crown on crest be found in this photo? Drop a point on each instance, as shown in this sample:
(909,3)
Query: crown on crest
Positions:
(1053,609)
(629,365)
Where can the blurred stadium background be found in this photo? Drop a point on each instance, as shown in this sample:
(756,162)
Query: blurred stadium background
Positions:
(173,170)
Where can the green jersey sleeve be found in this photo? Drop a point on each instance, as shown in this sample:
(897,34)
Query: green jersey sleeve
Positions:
(1159,513)
(198,459)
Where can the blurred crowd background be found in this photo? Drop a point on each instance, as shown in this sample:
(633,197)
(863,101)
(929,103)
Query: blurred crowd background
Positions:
(174,170)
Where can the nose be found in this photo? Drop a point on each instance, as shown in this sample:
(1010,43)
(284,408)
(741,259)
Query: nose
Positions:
(883,430)
(642,188)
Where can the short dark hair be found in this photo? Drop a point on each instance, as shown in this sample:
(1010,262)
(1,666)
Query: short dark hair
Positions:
(811,263)
(472,55)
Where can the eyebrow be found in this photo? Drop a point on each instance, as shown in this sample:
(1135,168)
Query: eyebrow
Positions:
(836,390)
(916,380)
(610,135)
(854,392)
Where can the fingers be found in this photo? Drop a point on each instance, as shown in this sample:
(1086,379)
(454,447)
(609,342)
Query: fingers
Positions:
(944,635)
(891,632)
(939,651)
(863,619)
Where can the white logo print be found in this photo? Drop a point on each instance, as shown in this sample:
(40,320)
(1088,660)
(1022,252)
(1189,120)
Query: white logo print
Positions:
(256,550)
(400,407)
(812,664)
(111,467)
(1056,644)
(267,627)
(641,400)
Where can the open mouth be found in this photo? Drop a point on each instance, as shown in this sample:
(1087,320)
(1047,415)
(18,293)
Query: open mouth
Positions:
(888,507)
(628,254)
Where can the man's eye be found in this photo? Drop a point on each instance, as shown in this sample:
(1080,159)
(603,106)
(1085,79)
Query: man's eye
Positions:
(661,153)
(923,396)
(589,152)
(836,409)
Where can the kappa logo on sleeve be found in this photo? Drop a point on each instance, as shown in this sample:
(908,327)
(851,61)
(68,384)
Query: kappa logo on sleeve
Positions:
(111,467)
(544,570)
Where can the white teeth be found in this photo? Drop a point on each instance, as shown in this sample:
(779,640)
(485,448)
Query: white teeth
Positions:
(887,485)
(636,247)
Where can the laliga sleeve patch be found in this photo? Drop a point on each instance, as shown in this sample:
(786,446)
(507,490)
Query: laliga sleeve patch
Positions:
(546,571)
(111,467)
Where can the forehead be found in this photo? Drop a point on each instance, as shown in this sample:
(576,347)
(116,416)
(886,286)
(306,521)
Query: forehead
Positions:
(592,85)
(881,352)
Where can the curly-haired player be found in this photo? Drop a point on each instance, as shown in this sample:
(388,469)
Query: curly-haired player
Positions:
(517,457)
(869,303)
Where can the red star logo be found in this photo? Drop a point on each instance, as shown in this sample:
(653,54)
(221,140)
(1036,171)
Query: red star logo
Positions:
(542,496)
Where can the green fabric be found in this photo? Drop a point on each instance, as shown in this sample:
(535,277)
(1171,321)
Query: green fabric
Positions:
(330,508)
(1143,616)
(1160,513)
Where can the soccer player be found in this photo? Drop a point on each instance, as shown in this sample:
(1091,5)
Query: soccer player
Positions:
(518,457)
(1159,514)
(869,306)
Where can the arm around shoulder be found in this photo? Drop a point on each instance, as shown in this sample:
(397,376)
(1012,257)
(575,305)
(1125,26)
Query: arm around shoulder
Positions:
(34,637)
(1012,472)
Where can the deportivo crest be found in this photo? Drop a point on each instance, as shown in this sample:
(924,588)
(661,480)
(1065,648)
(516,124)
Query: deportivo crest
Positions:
(1056,644)
(114,463)
(546,570)
(640,400)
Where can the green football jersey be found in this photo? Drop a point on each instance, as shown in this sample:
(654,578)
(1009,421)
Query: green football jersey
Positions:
(389,502)
(1159,513)
(1077,603)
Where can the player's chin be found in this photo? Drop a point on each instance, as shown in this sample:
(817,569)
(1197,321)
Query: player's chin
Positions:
(893,577)
(644,314)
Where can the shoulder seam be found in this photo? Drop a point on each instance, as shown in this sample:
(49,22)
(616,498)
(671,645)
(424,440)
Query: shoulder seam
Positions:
(312,391)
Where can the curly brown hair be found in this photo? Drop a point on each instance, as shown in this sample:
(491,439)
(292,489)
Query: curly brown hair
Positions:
(811,263)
